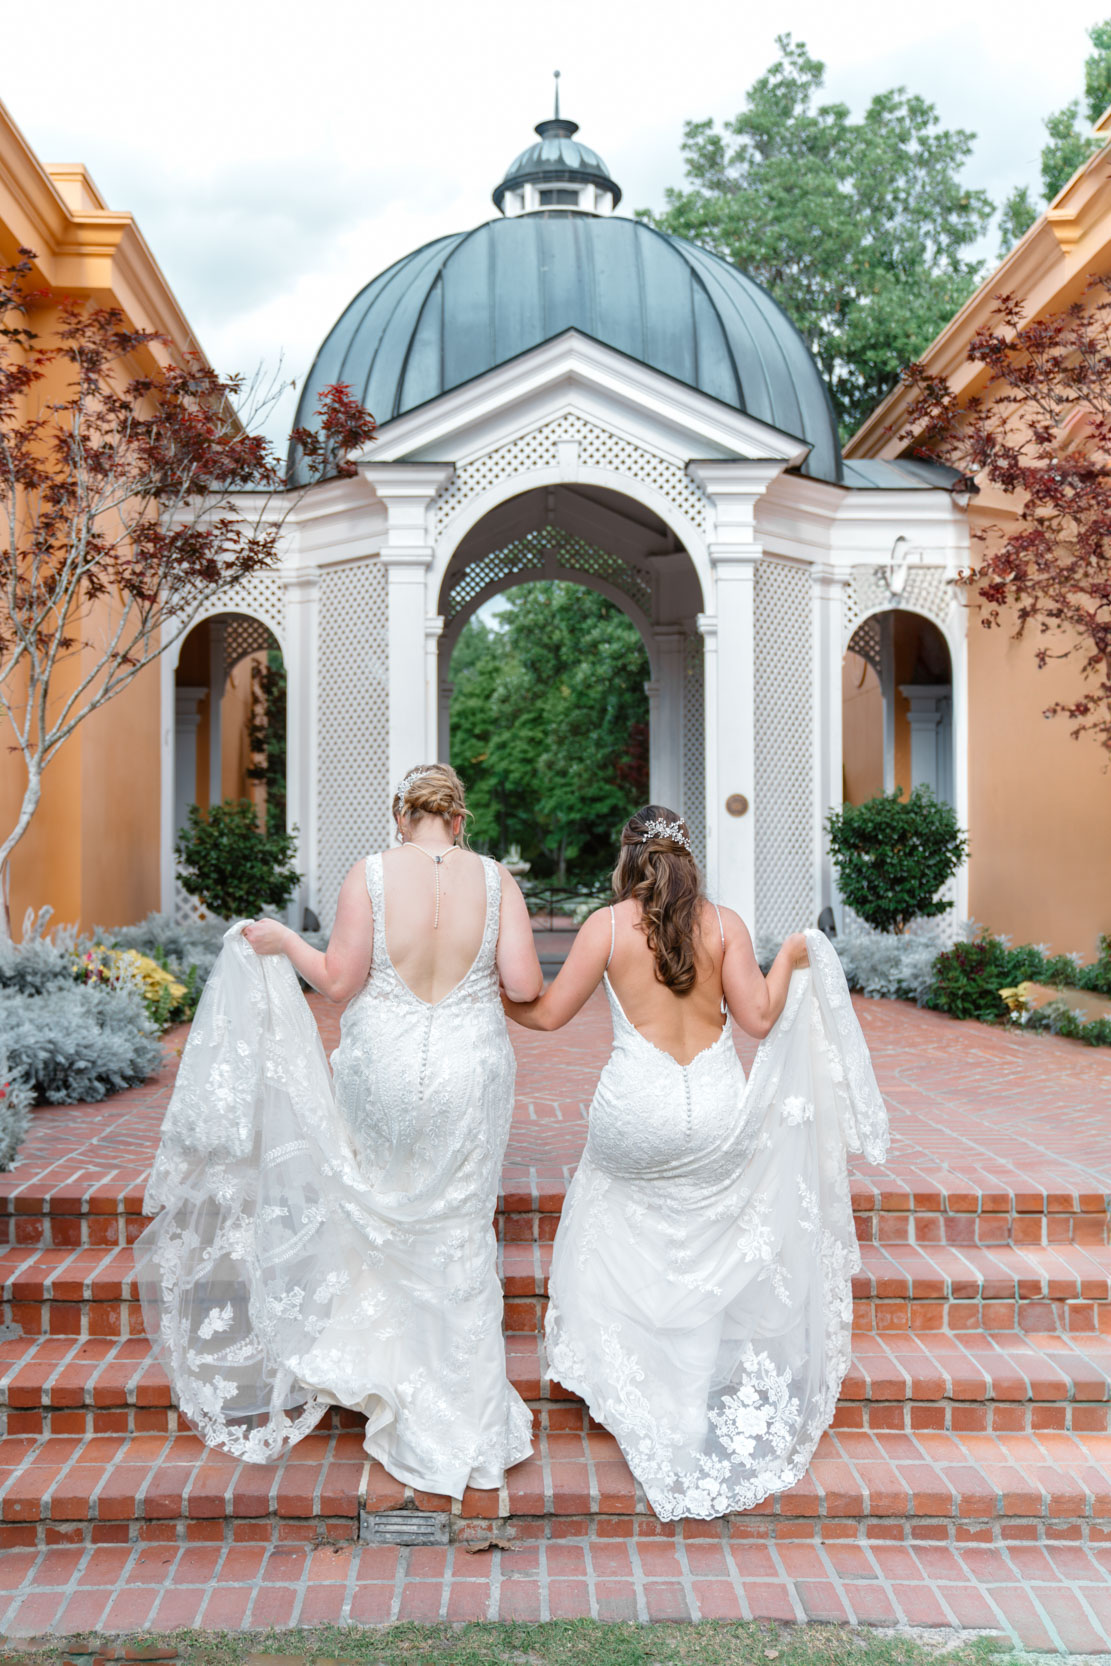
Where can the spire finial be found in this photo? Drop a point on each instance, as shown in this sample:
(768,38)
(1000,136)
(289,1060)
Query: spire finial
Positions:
(556,74)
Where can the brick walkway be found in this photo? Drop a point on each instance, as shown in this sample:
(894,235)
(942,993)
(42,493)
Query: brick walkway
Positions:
(966,1480)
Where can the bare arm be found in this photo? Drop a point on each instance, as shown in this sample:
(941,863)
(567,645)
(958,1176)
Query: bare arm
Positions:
(342,969)
(518,966)
(578,978)
(756,1001)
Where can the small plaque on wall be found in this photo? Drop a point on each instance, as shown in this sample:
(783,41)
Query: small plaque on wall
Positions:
(736,804)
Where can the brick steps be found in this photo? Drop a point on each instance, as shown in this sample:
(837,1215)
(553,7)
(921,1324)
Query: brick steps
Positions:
(925,1214)
(105,1214)
(931,1487)
(981,1382)
(1062,1287)
(903,1287)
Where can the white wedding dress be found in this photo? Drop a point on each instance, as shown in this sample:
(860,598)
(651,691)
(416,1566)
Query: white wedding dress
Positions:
(325,1245)
(700,1292)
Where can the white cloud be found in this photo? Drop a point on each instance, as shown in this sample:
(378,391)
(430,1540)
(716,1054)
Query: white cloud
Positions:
(278,157)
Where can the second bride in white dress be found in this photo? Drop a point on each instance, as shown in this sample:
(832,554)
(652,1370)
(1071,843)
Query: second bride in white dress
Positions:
(323,1245)
(700,1291)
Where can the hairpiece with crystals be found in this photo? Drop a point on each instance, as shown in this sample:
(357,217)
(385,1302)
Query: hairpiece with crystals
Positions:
(413,775)
(672,830)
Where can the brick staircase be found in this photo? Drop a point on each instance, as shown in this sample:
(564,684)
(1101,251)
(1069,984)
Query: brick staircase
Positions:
(977,1408)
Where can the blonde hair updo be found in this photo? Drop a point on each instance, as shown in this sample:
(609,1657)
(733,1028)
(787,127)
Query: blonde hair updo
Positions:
(432,790)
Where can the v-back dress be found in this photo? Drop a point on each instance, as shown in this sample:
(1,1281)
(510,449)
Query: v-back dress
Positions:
(700,1291)
(342,1252)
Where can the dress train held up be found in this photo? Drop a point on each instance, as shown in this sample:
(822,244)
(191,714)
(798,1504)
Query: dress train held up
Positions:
(321,1244)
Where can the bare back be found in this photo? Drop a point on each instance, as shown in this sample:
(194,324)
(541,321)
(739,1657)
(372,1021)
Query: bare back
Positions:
(431,960)
(681,1025)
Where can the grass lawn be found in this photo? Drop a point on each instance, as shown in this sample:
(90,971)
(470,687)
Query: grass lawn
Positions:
(557,1643)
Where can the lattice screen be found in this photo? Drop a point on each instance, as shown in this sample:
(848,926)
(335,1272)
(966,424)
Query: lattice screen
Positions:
(597,449)
(533,551)
(693,806)
(926,591)
(261,596)
(242,636)
(867,642)
(783,790)
(353,792)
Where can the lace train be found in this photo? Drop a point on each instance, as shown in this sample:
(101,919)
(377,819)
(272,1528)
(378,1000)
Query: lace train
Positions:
(701,1297)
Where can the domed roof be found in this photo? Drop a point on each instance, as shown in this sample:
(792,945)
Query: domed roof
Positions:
(558,156)
(463,304)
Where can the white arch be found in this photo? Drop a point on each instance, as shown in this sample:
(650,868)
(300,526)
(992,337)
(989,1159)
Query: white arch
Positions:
(564,575)
(476,508)
(168,663)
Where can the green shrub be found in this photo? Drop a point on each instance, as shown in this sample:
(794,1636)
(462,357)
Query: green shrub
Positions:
(231,865)
(967,978)
(893,855)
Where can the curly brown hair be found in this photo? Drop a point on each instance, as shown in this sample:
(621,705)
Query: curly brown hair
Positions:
(662,876)
(437,791)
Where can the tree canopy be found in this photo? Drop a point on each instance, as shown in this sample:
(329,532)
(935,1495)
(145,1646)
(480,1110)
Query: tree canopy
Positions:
(549,727)
(861,230)
(1070,141)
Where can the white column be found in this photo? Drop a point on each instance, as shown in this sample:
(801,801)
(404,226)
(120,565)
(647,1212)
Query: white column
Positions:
(443,746)
(433,630)
(407,490)
(302,600)
(665,732)
(828,612)
(187,717)
(217,633)
(930,704)
(734,490)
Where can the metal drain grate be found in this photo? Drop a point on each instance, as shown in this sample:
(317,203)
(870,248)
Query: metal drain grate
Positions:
(404,1527)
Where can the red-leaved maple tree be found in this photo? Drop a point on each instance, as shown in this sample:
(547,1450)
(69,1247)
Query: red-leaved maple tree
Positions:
(1039,430)
(129,499)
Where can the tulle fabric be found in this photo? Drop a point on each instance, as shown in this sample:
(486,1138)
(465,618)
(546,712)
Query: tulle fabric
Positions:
(701,1299)
(320,1245)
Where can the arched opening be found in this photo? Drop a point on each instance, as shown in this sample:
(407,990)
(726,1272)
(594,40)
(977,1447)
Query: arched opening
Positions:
(897,707)
(585,538)
(229,725)
(550,727)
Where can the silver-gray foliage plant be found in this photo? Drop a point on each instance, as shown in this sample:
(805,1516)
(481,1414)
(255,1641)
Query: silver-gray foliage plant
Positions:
(79,1042)
(16,1098)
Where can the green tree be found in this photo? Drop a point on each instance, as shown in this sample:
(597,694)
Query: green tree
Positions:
(1070,141)
(859,229)
(892,856)
(549,725)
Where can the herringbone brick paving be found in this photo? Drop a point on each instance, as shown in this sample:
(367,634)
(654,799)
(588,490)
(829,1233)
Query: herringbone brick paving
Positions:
(966,1480)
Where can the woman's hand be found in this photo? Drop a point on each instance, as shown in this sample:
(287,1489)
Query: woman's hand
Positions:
(267,936)
(795,947)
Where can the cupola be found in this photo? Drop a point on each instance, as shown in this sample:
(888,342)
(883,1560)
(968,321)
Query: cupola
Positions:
(558,175)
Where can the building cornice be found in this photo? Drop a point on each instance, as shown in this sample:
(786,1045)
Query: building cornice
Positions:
(82,248)
(1049,268)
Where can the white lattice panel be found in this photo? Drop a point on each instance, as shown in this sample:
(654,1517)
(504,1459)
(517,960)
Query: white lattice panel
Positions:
(261,596)
(868,643)
(353,789)
(926,591)
(242,636)
(693,807)
(549,547)
(598,449)
(783,790)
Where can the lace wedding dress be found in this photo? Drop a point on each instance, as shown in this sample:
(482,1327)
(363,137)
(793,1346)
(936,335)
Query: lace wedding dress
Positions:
(321,1244)
(700,1292)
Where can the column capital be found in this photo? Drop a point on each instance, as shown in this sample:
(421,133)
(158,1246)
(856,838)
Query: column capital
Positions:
(708,626)
(433,626)
(737,477)
(824,576)
(407,480)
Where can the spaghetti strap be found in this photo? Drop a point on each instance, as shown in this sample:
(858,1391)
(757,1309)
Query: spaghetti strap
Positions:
(613,928)
(721,928)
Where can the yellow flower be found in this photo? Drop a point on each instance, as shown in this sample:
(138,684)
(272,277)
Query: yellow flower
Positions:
(1017,999)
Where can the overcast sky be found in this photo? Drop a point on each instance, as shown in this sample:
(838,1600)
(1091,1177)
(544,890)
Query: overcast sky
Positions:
(276,156)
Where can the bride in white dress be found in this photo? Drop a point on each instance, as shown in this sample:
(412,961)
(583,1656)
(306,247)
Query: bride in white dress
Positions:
(322,1246)
(700,1291)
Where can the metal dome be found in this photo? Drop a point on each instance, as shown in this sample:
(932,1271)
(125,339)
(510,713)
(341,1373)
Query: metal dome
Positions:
(558,156)
(460,306)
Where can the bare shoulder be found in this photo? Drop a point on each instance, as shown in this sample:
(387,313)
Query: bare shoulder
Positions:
(597,925)
(734,927)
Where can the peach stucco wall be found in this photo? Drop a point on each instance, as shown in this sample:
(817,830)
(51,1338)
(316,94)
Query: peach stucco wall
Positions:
(1039,803)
